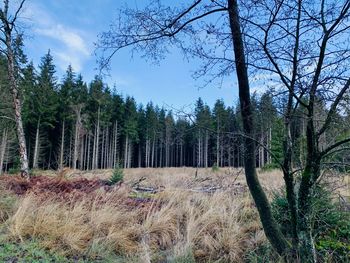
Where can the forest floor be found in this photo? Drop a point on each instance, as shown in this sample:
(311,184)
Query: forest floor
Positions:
(155,215)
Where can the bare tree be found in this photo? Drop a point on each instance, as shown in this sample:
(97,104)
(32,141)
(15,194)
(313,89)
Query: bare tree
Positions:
(301,45)
(8,35)
(156,27)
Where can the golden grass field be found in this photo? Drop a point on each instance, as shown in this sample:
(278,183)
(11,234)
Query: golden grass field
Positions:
(209,217)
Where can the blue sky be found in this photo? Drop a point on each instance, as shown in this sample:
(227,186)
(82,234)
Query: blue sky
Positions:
(69,29)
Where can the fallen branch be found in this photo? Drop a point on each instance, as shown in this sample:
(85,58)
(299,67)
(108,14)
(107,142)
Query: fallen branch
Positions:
(137,183)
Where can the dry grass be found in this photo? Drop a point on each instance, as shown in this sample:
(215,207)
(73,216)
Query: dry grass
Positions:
(7,204)
(221,226)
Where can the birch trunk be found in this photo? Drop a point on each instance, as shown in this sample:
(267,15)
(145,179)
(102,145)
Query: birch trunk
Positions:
(17,105)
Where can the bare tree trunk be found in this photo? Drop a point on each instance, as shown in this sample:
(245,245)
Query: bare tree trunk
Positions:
(70,152)
(153,148)
(206,149)
(126,151)
(50,155)
(269,160)
(270,226)
(36,146)
(263,150)
(103,144)
(156,156)
(160,154)
(88,153)
(81,158)
(115,145)
(108,149)
(129,153)
(181,154)
(111,149)
(62,146)
(217,146)
(3,149)
(139,156)
(96,142)
(7,28)
(199,163)
(146,153)
(77,110)
(221,153)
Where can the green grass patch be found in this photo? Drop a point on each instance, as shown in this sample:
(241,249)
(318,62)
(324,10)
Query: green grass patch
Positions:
(28,252)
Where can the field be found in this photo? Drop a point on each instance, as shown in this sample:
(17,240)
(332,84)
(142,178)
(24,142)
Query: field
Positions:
(155,215)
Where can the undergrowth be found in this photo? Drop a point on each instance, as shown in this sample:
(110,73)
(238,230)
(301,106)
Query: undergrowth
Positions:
(117,176)
(331,224)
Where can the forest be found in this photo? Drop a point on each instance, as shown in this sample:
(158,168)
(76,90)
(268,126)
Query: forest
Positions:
(90,126)
(89,174)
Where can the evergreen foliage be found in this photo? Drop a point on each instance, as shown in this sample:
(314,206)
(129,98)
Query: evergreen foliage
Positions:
(113,128)
(331,224)
(117,176)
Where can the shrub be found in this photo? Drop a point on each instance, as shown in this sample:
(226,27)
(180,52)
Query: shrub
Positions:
(14,171)
(215,168)
(331,225)
(117,176)
(269,167)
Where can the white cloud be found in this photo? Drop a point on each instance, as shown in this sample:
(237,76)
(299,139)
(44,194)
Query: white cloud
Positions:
(69,45)
(66,59)
(72,40)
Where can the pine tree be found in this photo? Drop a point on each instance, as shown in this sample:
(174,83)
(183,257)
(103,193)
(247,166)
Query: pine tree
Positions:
(46,106)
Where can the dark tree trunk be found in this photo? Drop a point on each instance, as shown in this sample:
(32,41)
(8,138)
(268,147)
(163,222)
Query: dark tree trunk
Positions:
(271,228)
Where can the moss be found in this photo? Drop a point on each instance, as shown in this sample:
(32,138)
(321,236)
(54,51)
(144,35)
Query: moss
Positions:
(28,252)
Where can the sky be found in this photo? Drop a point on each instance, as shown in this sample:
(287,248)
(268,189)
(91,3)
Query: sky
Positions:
(69,28)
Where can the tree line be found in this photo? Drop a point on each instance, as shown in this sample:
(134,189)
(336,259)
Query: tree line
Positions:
(70,123)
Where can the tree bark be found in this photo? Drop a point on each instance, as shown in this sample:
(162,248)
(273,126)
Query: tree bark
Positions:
(217,144)
(77,135)
(271,228)
(3,149)
(36,146)
(126,152)
(153,148)
(88,152)
(206,149)
(115,145)
(17,105)
(62,146)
